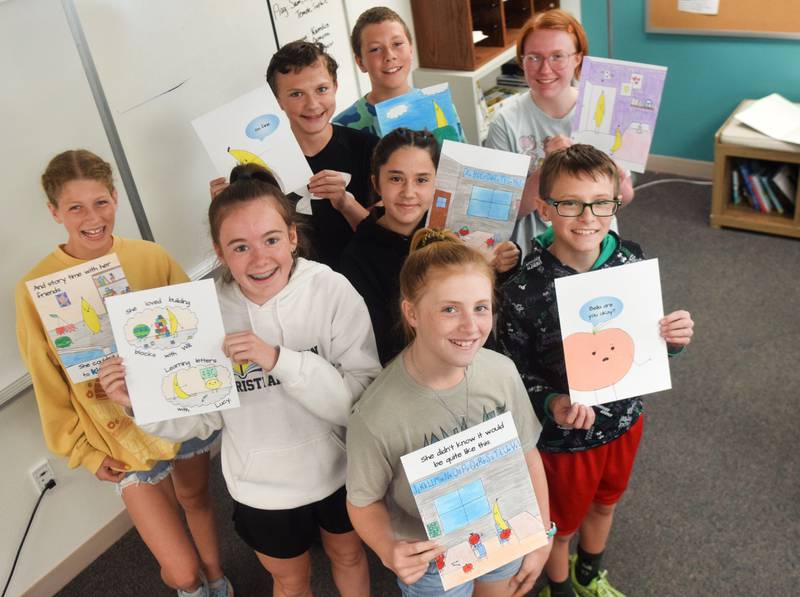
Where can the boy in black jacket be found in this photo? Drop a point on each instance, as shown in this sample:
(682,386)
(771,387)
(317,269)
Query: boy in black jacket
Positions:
(588,452)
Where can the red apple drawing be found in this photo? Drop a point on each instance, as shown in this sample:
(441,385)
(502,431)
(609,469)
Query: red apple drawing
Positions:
(597,359)
(467,568)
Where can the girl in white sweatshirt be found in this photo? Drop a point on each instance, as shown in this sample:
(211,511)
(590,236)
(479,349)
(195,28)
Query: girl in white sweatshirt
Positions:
(303,348)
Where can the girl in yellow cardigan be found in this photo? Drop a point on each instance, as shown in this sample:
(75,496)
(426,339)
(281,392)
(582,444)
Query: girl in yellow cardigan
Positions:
(81,424)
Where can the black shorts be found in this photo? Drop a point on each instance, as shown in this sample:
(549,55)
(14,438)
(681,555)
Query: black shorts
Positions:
(289,533)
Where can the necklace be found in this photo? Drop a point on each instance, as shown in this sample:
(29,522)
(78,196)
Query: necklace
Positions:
(461,422)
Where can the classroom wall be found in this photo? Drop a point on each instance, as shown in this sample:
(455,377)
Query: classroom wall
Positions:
(72,515)
(708,76)
(81,517)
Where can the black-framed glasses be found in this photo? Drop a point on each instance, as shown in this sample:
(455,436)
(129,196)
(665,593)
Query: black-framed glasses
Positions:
(557,61)
(572,208)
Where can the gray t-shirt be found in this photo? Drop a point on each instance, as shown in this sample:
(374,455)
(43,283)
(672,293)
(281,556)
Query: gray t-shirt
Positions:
(396,415)
(522,127)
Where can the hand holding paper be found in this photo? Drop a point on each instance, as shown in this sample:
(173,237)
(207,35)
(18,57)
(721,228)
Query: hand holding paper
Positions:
(569,415)
(242,347)
(112,378)
(552,144)
(410,559)
(677,328)
(505,257)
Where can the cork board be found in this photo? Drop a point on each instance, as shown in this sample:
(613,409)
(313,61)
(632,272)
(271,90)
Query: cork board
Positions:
(741,18)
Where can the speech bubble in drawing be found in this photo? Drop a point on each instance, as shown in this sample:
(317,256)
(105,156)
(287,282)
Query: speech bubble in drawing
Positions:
(600,310)
(262,126)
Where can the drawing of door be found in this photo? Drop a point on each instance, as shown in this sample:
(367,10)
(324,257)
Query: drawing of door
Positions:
(441,203)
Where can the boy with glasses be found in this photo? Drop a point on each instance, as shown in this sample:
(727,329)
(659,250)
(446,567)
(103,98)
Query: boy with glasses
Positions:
(588,452)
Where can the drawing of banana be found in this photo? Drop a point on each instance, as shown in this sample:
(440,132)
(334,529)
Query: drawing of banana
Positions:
(499,521)
(173,322)
(441,119)
(600,110)
(179,393)
(617,141)
(242,156)
(90,317)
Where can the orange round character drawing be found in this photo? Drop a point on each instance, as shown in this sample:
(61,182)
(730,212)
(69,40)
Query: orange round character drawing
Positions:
(597,359)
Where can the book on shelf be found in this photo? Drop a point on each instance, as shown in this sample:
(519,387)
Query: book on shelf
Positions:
(512,81)
(763,185)
(786,180)
(745,172)
(736,192)
(776,205)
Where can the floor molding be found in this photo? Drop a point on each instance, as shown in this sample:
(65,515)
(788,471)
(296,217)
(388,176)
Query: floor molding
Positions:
(78,560)
(680,166)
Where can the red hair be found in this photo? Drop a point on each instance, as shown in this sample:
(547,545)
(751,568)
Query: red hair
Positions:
(556,20)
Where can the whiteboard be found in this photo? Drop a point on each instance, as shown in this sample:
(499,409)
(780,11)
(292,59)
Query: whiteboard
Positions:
(163,64)
(47,107)
(325,22)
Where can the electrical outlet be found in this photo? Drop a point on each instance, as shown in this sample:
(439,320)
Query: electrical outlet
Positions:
(42,475)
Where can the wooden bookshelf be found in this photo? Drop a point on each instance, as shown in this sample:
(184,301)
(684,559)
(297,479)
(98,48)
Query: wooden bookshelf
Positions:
(443,29)
(724,213)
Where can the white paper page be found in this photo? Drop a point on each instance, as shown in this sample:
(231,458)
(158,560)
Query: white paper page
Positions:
(609,325)
(253,128)
(303,206)
(71,305)
(774,116)
(703,7)
(475,497)
(170,339)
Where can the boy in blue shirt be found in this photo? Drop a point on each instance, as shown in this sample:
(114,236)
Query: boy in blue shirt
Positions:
(382,48)
(588,452)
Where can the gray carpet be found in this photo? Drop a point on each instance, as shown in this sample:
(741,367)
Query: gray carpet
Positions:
(714,503)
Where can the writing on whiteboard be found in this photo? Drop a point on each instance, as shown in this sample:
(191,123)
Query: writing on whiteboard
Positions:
(296,8)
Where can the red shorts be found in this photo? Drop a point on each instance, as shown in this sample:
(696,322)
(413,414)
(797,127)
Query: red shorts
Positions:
(601,475)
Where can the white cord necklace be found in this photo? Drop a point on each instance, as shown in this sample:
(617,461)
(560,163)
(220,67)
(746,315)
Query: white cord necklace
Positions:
(463,422)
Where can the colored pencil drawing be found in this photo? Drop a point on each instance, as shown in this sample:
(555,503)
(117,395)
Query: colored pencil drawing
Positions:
(71,306)
(612,348)
(252,129)
(477,195)
(200,385)
(171,342)
(617,108)
(161,328)
(430,109)
(478,502)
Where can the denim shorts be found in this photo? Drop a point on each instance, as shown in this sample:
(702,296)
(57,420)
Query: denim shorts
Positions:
(189,449)
(430,585)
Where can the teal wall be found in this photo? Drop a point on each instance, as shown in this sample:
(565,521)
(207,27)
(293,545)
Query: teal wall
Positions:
(707,78)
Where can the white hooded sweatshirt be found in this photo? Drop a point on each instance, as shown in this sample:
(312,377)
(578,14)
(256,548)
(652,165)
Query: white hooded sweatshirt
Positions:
(284,446)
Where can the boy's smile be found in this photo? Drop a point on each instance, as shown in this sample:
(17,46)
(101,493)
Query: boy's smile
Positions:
(308,97)
(386,55)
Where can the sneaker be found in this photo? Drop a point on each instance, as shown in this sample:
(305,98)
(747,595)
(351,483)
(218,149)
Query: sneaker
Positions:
(201,591)
(599,587)
(221,587)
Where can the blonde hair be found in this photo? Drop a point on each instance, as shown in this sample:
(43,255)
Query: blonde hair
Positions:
(556,20)
(75,164)
(436,251)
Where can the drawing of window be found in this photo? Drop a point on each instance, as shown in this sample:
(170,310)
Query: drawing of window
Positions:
(460,507)
(494,204)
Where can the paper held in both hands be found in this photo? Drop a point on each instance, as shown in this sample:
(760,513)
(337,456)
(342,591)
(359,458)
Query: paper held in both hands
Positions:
(774,116)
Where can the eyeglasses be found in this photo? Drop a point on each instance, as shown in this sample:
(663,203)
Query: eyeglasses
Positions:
(557,61)
(572,208)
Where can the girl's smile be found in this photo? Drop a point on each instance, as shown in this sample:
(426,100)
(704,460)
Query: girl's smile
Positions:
(87,209)
(257,247)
